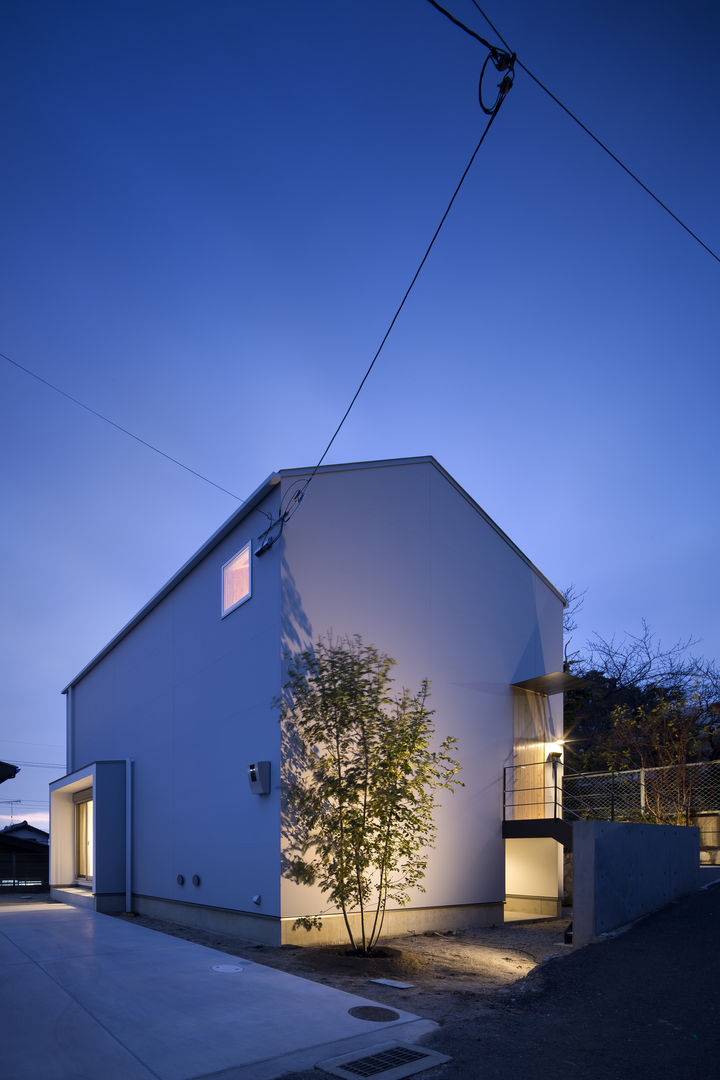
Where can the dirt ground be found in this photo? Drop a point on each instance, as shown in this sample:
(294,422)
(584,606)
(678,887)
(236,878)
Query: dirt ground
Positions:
(451,974)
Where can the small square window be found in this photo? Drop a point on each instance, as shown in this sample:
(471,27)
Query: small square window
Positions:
(236,580)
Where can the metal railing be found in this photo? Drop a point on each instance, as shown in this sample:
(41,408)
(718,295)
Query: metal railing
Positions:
(523,799)
(673,794)
(20,869)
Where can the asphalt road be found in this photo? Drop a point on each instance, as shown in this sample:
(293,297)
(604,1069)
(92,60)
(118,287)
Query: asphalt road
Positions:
(643,1005)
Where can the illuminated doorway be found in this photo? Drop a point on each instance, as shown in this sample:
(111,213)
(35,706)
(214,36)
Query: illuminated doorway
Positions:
(84,836)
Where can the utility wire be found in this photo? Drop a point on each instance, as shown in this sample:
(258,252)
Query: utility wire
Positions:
(415,276)
(467,29)
(580,124)
(38,764)
(119,427)
(40,745)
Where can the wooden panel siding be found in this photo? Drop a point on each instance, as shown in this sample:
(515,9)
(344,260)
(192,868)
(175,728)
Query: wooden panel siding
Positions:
(531,723)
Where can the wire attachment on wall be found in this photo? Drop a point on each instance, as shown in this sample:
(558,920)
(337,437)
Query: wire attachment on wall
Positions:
(274,531)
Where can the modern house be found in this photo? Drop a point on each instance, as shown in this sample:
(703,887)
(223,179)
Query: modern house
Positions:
(173,801)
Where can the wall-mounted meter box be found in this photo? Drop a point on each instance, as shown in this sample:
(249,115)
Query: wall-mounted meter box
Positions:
(259,777)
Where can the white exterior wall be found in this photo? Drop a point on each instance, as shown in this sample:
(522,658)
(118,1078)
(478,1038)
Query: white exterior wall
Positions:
(534,868)
(397,554)
(187,695)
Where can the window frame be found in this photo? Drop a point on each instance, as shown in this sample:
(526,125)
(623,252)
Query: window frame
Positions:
(238,603)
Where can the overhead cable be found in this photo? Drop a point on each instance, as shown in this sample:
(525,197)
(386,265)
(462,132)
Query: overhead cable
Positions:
(503,63)
(119,427)
(38,764)
(580,124)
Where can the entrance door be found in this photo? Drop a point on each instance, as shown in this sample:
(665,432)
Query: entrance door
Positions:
(84,839)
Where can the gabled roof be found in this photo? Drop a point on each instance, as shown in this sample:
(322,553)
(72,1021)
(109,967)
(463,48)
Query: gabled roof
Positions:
(22,826)
(257,497)
(430,460)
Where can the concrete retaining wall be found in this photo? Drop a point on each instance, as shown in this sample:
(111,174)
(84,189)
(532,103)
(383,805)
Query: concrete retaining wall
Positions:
(623,871)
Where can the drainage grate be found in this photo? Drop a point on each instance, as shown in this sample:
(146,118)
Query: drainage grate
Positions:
(387,1062)
(380,1063)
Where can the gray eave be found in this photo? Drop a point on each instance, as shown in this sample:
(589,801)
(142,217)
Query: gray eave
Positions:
(8,771)
(555,682)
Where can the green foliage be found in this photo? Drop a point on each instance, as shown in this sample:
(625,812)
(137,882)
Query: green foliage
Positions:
(361,779)
(641,704)
(665,733)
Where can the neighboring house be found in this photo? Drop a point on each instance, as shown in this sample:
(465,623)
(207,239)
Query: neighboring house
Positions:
(8,771)
(159,813)
(23,856)
(22,831)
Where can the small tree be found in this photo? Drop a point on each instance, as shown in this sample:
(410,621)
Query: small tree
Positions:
(658,690)
(360,788)
(661,739)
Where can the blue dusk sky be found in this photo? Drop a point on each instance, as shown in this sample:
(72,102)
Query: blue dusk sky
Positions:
(210,212)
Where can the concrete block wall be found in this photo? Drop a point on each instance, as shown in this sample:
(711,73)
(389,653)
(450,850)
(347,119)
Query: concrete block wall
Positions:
(623,871)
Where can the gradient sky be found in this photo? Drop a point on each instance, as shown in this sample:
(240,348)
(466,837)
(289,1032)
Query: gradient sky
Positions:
(211,211)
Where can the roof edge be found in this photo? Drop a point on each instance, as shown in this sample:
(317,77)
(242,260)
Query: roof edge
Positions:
(227,526)
(256,498)
(428,459)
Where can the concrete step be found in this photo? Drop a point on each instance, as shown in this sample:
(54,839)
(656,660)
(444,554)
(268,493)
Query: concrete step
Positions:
(76,897)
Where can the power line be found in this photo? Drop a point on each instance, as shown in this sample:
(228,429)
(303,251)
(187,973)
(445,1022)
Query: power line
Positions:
(119,427)
(467,29)
(38,764)
(502,63)
(29,804)
(586,129)
(24,742)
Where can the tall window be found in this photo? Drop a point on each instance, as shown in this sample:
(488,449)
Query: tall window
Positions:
(84,840)
(236,581)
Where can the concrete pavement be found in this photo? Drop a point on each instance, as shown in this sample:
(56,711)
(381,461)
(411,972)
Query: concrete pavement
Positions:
(84,995)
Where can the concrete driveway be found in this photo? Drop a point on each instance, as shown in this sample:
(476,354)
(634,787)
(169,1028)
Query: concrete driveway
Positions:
(84,995)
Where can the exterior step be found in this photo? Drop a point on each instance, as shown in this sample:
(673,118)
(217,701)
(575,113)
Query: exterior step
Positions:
(74,897)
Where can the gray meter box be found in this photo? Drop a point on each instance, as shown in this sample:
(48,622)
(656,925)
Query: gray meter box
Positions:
(259,777)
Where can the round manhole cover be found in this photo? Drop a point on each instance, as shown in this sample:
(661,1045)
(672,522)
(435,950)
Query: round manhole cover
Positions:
(226,969)
(374,1012)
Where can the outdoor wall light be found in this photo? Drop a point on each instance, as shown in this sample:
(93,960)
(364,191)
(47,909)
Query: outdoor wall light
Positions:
(256,899)
(259,777)
(180,879)
(196,879)
(555,756)
(554,747)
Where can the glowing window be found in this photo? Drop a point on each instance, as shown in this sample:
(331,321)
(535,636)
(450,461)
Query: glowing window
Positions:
(236,581)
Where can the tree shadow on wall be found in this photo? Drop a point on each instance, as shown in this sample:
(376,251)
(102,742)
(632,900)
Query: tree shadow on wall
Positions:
(296,637)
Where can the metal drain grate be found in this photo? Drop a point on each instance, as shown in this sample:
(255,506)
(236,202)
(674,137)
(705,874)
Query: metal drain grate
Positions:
(387,1062)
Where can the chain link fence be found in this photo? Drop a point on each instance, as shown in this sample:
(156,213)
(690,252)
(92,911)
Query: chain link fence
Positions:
(686,794)
(671,795)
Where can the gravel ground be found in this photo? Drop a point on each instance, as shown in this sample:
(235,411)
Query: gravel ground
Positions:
(451,974)
(513,1001)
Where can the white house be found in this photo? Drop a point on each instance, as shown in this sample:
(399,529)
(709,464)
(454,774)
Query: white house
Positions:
(159,813)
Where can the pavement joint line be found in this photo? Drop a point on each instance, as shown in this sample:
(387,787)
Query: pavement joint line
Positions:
(84,1008)
(407,1026)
